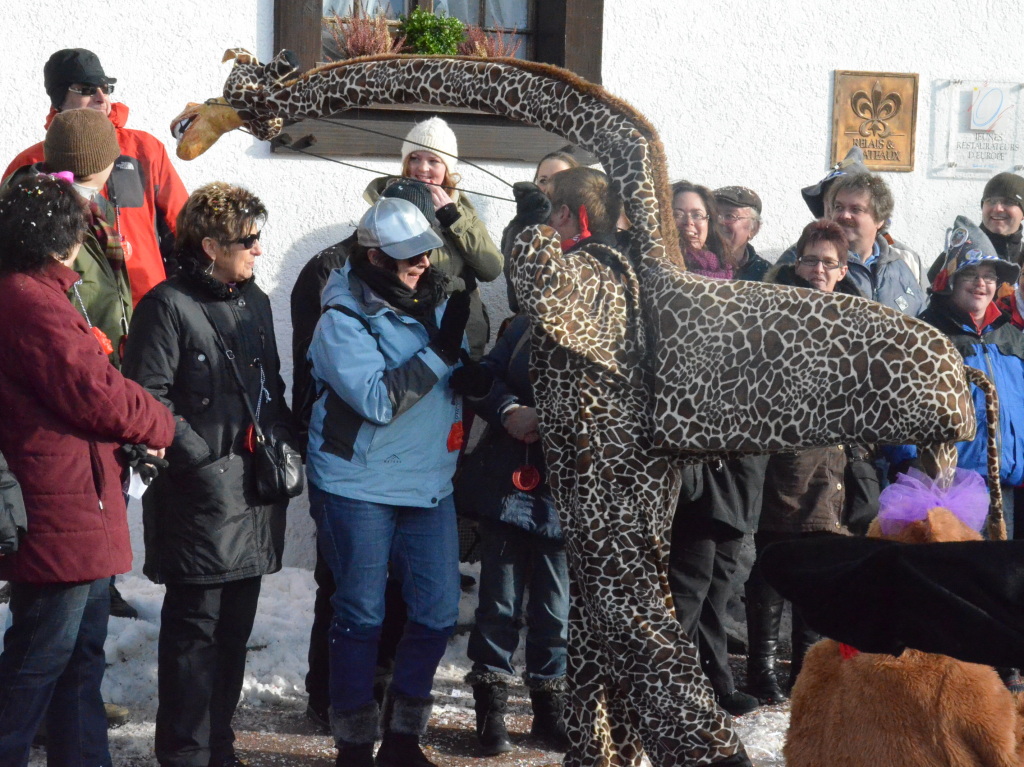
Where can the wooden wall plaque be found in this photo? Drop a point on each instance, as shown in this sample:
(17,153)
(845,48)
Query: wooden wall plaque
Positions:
(876,111)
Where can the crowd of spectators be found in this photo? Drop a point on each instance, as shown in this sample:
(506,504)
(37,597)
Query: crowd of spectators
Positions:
(137,336)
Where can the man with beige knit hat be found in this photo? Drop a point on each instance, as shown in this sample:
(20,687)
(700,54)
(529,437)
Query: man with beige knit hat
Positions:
(82,142)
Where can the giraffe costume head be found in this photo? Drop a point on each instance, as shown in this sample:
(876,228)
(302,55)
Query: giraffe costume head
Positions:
(637,366)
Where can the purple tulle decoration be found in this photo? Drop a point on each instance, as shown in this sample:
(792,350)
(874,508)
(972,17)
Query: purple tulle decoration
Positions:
(914,494)
(63,175)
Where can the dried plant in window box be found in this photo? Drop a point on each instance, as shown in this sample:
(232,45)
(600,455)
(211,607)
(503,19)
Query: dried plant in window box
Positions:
(496,45)
(362,35)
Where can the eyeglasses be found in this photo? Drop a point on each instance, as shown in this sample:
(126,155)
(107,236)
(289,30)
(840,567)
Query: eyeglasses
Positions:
(246,242)
(814,263)
(695,216)
(90,90)
(413,260)
(732,218)
(1004,201)
(988,279)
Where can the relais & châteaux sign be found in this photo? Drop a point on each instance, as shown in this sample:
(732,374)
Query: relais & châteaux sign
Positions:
(876,111)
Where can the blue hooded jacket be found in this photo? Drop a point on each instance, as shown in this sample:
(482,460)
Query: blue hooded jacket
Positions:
(997,350)
(382,424)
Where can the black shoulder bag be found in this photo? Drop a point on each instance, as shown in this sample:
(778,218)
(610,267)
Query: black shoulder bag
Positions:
(277,466)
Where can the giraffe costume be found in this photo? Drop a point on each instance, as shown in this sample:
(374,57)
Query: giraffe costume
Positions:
(637,366)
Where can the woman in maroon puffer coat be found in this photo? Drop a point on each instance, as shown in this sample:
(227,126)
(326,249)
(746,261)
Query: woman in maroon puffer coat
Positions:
(64,413)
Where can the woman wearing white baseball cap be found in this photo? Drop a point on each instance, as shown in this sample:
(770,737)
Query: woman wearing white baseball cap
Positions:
(384,438)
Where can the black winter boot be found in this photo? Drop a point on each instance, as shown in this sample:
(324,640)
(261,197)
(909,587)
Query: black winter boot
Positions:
(354,733)
(405,722)
(803,637)
(764,614)
(548,700)
(490,691)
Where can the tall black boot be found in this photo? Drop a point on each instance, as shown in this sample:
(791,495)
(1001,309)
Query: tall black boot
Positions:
(405,722)
(764,614)
(548,700)
(803,637)
(490,692)
(354,733)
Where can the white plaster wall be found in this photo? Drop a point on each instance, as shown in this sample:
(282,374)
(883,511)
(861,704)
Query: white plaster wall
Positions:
(740,91)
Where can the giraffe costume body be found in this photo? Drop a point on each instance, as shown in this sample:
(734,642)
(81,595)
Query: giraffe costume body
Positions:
(637,366)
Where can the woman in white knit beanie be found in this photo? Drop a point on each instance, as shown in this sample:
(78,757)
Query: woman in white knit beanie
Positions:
(430,153)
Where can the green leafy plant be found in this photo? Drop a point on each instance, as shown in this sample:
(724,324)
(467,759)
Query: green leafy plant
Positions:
(429,34)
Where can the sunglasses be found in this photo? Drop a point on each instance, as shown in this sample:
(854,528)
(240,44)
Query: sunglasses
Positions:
(246,242)
(90,90)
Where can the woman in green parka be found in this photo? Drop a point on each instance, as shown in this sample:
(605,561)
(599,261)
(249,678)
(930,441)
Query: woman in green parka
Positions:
(430,153)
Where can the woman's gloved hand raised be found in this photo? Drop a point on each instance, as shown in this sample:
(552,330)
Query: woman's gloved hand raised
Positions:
(448,341)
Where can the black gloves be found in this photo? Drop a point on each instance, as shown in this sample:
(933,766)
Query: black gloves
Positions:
(472,379)
(447,215)
(448,341)
(143,462)
(532,205)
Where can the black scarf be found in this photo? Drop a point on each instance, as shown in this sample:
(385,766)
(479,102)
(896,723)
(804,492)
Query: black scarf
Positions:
(419,303)
(1005,243)
(193,273)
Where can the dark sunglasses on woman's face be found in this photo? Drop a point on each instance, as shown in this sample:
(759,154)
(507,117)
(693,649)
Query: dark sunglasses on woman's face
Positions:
(246,242)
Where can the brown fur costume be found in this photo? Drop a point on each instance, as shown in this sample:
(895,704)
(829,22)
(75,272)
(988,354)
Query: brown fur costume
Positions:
(915,710)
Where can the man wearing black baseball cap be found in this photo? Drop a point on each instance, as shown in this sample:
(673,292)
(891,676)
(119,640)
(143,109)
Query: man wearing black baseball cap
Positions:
(74,79)
(144,194)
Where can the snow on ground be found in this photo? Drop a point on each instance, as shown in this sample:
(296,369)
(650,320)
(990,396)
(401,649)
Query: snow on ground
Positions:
(276,668)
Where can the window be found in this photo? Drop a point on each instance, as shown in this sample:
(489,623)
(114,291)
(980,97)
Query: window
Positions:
(509,17)
(566,33)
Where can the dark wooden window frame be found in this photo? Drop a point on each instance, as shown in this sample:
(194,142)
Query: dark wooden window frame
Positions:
(568,34)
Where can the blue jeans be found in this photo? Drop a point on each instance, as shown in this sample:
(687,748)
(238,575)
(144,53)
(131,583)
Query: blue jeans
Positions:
(359,540)
(51,668)
(512,560)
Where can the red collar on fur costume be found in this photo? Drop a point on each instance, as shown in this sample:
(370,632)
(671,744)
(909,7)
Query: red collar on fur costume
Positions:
(847,651)
(584,230)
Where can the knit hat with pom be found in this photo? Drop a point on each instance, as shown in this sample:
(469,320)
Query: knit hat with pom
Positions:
(434,135)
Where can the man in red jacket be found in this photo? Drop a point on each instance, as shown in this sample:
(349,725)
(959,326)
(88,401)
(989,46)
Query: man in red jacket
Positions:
(144,193)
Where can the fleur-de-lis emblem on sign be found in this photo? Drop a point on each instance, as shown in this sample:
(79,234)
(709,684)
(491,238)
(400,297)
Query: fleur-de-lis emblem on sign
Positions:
(875,110)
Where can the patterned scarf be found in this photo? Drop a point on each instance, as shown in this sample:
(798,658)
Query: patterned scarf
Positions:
(107,236)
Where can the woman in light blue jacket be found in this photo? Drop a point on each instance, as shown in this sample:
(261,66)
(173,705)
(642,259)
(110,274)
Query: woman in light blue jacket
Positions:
(384,438)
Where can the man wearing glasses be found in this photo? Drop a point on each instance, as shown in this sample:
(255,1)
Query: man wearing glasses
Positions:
(737,223)
(142,198)
(882,268)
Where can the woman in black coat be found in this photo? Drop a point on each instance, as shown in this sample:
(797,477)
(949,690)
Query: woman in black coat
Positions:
(208,537)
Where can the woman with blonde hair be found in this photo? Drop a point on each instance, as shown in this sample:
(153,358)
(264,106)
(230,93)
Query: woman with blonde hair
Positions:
(430,153)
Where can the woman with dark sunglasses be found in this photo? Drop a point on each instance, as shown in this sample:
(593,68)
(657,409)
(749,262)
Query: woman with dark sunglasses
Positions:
(194,340)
